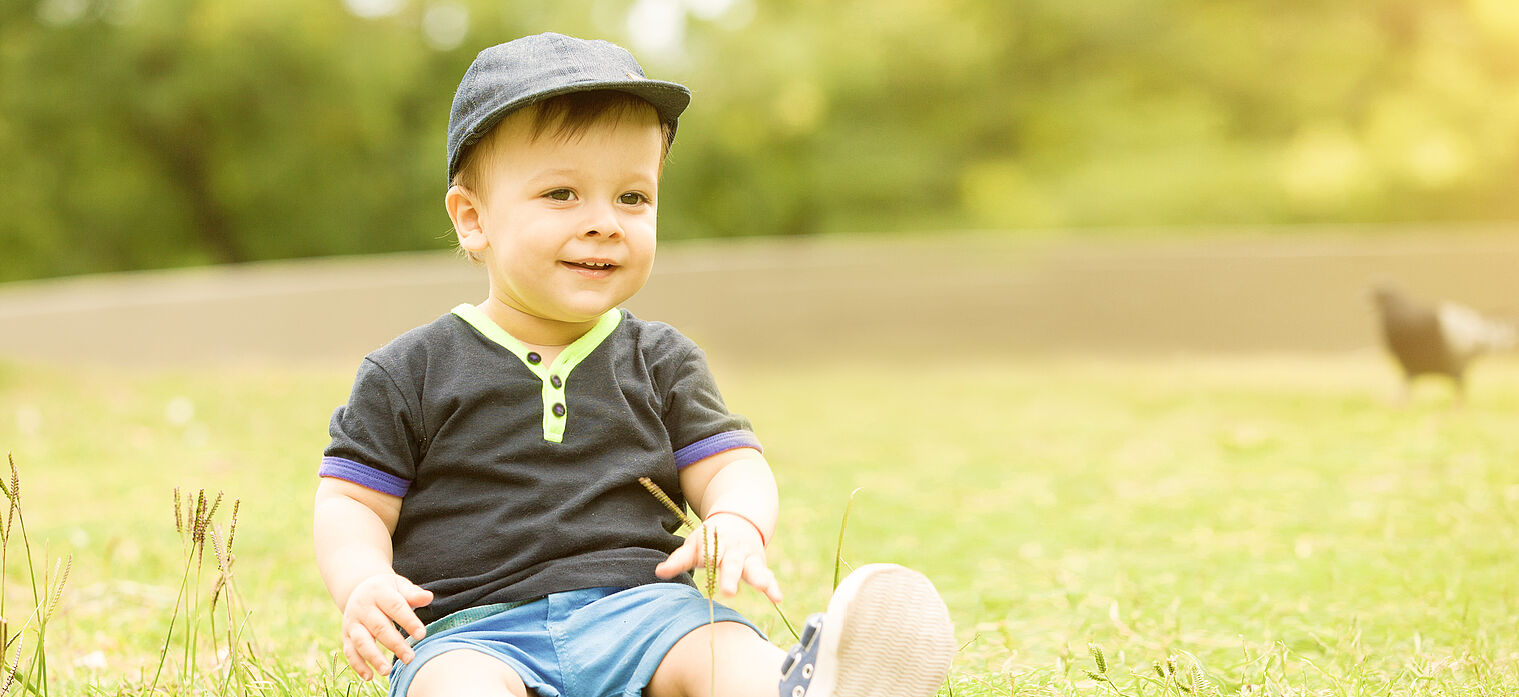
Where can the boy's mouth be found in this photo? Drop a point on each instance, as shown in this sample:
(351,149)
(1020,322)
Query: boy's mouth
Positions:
(594,267)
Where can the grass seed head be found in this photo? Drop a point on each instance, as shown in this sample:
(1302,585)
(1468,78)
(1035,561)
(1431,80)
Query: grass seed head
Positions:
(221,554)
(1097,657)
(211,512)
(62,577)
(14,667)
(3,488)
(198,520)
(1201,683)
(232,528)
(223,565)
(709,541)
(668,502)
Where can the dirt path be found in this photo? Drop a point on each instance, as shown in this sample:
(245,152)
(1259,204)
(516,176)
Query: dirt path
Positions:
(927,297)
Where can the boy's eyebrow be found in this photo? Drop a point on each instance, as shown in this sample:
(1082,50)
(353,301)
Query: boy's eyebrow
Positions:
(553,173)
(561,172)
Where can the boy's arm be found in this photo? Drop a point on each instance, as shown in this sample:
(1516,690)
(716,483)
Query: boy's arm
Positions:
(352,526)
(735,495)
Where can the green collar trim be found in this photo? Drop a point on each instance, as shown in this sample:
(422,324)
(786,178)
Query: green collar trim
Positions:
(555,377)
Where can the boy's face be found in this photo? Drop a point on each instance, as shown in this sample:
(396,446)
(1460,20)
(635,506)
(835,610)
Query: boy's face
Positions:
(566,225)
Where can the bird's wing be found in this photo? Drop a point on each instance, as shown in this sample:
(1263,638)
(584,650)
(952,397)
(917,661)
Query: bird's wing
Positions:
(1467,333)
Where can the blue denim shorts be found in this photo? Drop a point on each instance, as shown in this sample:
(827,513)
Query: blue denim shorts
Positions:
(583,643)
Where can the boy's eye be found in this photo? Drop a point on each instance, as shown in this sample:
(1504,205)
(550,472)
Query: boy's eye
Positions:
(561,195)
(632,198)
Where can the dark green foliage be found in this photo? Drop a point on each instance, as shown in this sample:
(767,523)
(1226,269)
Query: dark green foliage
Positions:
(137,133)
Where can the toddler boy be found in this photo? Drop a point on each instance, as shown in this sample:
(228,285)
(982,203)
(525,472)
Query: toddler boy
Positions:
(481,491)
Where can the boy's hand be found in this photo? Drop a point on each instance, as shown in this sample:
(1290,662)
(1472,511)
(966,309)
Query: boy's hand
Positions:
(740,555)
(374,608)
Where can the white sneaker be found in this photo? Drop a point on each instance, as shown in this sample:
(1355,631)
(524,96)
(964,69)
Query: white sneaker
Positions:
(886,634)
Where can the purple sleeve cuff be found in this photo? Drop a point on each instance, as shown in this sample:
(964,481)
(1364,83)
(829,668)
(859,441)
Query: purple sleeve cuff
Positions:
(363,475)
(712,445)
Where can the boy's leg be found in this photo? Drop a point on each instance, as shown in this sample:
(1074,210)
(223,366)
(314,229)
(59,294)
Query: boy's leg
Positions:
(747,665)
(466,673)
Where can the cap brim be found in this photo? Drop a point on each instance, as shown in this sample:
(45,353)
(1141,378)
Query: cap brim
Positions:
(669,100)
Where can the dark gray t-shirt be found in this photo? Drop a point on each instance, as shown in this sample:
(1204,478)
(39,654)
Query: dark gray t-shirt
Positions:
(519,479)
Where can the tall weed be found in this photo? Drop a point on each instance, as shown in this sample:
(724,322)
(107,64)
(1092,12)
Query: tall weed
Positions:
(209,613)
(23,665)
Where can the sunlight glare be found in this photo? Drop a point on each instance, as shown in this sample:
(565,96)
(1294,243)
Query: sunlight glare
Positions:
(373,9)
(445,25)
(1323,164)
(1499,17)
(60,12)
(708,10)
(657,27)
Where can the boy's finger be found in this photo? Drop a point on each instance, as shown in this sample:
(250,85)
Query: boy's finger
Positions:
(377,660)
(730,570)
(413,627)
(682,559)
(393,640)
(354,661)
(757,574)
(416,596)
(367,651)
(381,632)
(399,609)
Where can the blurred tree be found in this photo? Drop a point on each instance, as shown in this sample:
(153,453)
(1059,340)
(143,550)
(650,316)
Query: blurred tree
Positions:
(184,131)
(142,133)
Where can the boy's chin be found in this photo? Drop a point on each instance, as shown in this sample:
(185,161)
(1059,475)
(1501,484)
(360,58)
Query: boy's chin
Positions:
(582,313)
(592,308)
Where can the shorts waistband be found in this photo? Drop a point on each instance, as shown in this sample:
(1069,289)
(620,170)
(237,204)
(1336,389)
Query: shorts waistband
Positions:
(467,615)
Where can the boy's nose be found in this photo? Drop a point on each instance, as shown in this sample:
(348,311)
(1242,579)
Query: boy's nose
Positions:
(603,223)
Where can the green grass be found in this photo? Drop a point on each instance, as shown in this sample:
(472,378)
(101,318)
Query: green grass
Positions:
(1273,518)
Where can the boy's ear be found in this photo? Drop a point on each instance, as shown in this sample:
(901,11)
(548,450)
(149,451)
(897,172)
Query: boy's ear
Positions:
(465,211)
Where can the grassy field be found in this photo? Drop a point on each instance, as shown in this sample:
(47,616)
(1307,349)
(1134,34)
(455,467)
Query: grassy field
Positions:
(1274,520)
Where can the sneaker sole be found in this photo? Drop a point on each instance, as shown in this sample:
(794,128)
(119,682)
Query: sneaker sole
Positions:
(887,634)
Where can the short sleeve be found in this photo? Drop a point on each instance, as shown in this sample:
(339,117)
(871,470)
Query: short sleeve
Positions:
(374,436)
(698,421)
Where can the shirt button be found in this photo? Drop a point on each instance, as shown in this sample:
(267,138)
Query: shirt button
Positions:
(555,381)
(534,358)
(559,410)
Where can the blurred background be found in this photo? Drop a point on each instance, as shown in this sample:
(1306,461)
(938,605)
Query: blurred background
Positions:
(1084,281)
(1053,137)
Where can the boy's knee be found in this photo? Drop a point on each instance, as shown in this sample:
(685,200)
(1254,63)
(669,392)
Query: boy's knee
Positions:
(746,663)
(466,673)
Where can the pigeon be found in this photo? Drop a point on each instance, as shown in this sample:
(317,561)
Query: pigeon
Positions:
(1439,338)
